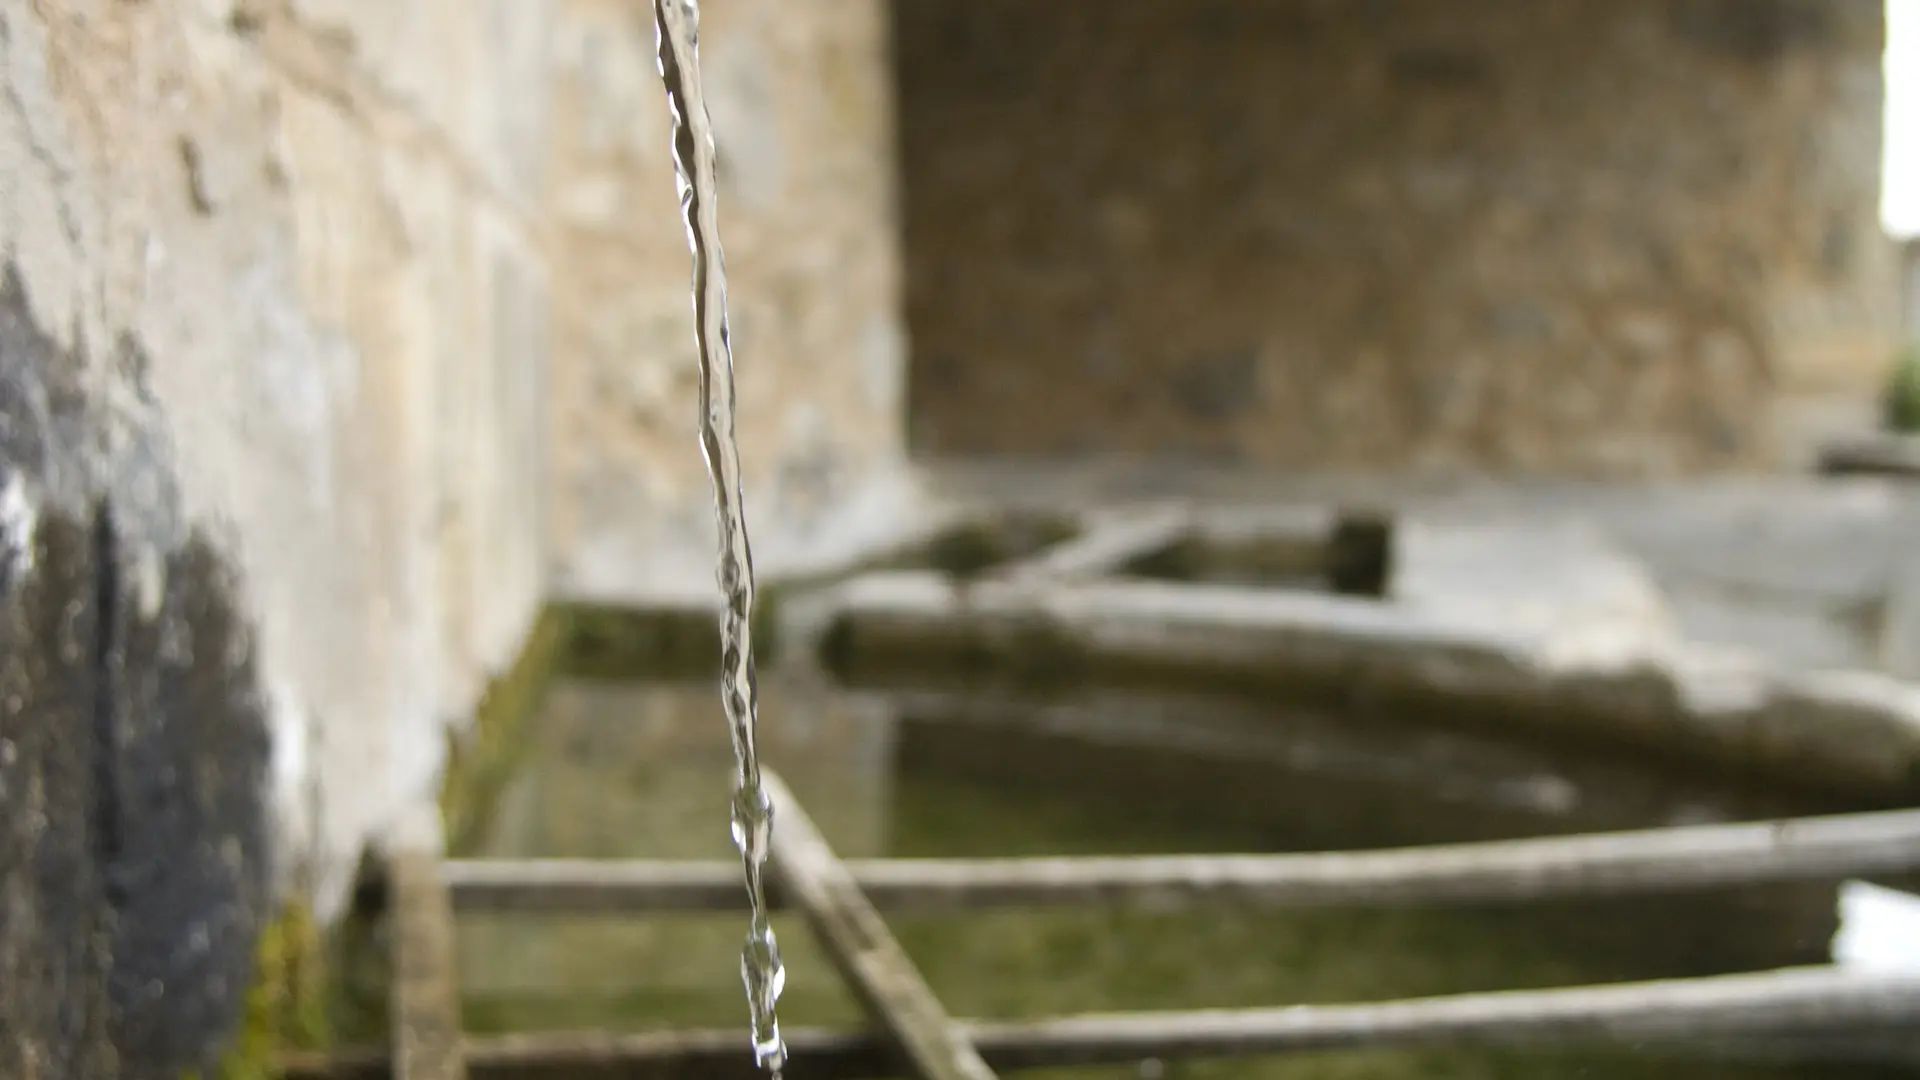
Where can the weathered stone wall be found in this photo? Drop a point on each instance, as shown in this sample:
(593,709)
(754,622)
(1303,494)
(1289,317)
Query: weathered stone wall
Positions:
(1581,236)
(801,102)
(271,323)
(281,281)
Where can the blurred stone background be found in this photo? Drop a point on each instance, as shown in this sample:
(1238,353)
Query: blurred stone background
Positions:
(337,335)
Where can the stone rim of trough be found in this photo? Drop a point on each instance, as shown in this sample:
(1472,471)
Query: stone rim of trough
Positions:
(1637,686)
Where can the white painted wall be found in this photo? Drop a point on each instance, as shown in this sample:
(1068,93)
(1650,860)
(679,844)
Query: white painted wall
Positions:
(1900,198)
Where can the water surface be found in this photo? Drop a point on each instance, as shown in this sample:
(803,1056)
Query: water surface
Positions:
(630,770)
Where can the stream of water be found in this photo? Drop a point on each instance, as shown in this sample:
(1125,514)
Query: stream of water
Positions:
(677,26)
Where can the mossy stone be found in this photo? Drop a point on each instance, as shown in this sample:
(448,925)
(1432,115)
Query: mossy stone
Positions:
(1903,393)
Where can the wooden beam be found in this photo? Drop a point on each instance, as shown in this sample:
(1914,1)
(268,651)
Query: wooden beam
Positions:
(425,1002)
(1104,547)
(668,1055)
(876,968)
(1512,871)
(1700,1011)
(1768,1014)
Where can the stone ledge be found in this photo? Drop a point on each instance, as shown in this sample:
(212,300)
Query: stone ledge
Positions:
(672,628)
(1855,731)
(1883,454)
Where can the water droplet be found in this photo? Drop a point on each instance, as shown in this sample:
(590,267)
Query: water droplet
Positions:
(752,824)
(18,521)
(764,977)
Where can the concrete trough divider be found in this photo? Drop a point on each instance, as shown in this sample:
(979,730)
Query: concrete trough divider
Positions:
(1321,548)
(1859,726)
(1104,544)
(1315,644)
(1854,731)
(1879,454)
(424,1005)
(672,627)
(1766,1018)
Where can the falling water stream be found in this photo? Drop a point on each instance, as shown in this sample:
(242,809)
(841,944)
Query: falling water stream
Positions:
(677,26)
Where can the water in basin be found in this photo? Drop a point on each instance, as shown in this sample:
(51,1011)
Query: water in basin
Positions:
(638,770)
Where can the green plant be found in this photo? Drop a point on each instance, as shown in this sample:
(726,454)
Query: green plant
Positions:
(286,1005)
(1903,392)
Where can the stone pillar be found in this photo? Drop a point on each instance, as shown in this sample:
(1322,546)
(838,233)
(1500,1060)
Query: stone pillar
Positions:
(800,95)
(1910,292)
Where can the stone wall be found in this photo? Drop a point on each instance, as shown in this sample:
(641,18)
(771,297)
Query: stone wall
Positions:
(800,98)
(1578,236)
(294,292)
(273,313)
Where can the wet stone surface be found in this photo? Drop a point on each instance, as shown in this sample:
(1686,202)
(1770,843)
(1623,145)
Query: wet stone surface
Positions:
(133,745)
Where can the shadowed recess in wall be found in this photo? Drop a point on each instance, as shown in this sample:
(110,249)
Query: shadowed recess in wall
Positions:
(133,737)
(1579,238)
(1755,29)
